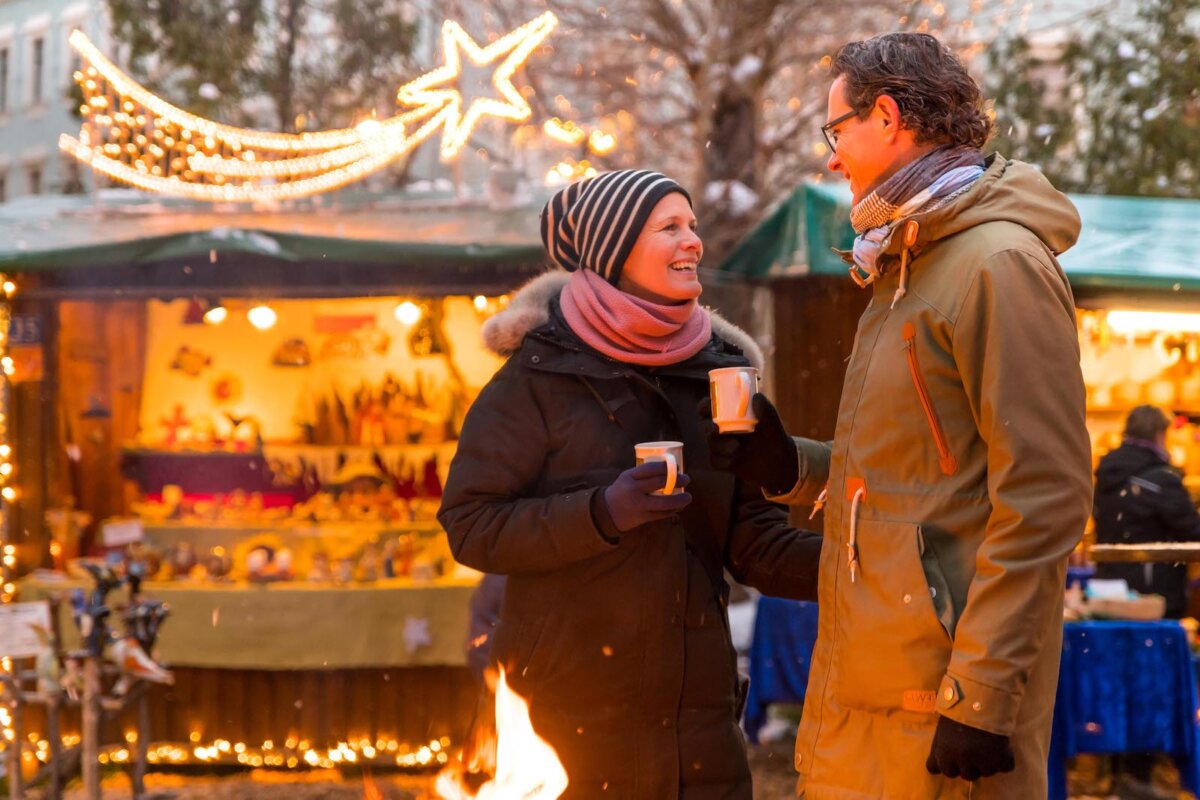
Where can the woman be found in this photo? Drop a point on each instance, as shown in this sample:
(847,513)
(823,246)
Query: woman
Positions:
(613,623)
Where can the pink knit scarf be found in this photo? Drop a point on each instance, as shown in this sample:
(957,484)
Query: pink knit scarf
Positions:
(629,329)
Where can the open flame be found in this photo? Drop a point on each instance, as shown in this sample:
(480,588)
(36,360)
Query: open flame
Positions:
(527,768)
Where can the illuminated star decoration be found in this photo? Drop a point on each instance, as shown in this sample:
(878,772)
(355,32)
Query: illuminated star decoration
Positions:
(136,137)
(515,47)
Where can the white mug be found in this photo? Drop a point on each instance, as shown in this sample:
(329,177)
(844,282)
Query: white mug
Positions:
(670,453)
(731,389)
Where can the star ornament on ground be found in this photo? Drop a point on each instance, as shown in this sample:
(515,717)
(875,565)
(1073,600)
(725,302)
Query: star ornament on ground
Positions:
(509,53)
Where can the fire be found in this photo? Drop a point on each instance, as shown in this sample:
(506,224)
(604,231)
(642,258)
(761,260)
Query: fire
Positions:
(527,768)
(370,790)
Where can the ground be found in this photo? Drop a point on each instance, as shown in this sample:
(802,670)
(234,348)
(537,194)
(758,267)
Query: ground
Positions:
(771,764)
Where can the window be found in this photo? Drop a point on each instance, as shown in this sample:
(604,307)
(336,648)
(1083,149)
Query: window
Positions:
(72,182)
(33,176)
(3,81)
(3,188)
(38,72)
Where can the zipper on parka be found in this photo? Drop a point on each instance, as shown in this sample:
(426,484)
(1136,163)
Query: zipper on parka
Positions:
(946,459)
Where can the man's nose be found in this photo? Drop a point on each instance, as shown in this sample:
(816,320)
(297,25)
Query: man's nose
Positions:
(833,164)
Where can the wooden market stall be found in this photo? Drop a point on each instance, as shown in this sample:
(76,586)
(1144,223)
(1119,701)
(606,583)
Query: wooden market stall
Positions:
(275,475)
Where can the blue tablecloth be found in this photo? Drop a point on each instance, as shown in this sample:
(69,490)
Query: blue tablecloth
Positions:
(1123,686)
(780,652)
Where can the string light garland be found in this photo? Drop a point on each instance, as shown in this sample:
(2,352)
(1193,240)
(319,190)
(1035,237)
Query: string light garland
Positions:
(8,495)
(292,754)
(136,137)
(567,133)
(568,171)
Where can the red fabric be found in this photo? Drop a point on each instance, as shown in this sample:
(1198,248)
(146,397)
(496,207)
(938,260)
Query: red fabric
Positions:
(629,329)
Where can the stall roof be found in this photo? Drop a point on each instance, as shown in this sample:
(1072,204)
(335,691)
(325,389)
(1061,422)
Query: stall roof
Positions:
(1126,242)
(64,233)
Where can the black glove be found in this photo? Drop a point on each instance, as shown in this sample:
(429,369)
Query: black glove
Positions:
(629,501)
(766,457)
(960,751)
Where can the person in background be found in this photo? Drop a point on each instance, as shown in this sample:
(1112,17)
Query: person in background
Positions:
(1140,498)
(613,623)
(958,480)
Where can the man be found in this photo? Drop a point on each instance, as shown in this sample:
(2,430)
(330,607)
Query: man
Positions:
(1140,498)
(958,478)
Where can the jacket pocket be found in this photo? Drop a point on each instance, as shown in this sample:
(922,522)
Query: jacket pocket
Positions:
(892,640)
(946,460)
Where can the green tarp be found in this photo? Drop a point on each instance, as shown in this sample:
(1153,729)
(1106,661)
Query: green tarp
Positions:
(1126,242)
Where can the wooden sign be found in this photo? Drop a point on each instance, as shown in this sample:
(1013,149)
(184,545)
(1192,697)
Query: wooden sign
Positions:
(18,637)
(25,347)
(119,532)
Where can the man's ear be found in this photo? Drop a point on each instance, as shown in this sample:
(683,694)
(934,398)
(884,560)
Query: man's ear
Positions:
(889,111)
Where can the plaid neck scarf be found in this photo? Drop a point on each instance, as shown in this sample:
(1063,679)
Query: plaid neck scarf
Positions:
(912,188)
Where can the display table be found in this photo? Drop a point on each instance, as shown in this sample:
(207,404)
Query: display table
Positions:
(780,655)
(335,539)
(1123,686)
(295,626)
(323,663)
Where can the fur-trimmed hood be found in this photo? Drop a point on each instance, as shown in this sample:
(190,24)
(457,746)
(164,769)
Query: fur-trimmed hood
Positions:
(530,309)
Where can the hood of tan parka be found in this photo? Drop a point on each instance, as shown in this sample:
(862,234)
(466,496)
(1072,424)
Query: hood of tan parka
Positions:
(1010,191)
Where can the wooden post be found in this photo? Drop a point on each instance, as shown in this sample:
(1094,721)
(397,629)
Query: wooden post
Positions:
(14,747)
(142,745)
(90,733)
(54,735)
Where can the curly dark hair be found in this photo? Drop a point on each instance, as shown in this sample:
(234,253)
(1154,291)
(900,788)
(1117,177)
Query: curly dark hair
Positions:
(938,99)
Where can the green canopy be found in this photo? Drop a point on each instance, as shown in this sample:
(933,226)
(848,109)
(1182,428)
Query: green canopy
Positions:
(67,233)
(1126,242)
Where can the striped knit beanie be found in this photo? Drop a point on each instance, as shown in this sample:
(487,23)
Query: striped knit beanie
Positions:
(593,224)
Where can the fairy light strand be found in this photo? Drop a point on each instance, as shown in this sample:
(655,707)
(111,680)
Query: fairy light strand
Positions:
(136,137)
(8,496)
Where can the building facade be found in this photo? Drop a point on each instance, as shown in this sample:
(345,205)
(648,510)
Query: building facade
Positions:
(36,105)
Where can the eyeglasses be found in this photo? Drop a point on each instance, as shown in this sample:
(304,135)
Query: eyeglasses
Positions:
(827,130)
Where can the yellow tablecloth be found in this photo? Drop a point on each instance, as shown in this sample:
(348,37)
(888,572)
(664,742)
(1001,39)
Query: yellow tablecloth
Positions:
(286,626)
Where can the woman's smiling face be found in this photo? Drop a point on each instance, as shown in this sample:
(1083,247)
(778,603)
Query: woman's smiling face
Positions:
(662,266)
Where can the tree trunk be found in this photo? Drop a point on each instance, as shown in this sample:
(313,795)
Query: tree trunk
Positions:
(285,89)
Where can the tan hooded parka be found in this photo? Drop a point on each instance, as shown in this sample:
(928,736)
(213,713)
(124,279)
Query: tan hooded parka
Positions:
(958,481)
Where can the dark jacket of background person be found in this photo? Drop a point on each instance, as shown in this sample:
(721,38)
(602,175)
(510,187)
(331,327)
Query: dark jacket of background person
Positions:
(620,642)
(1140,498)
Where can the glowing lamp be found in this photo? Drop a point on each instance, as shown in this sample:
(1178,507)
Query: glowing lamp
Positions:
(216,314)
(1129,323)
(407,313)
(262,317)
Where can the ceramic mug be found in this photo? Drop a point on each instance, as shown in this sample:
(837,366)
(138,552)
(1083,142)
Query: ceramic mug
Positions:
(671,453)
(731,390)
